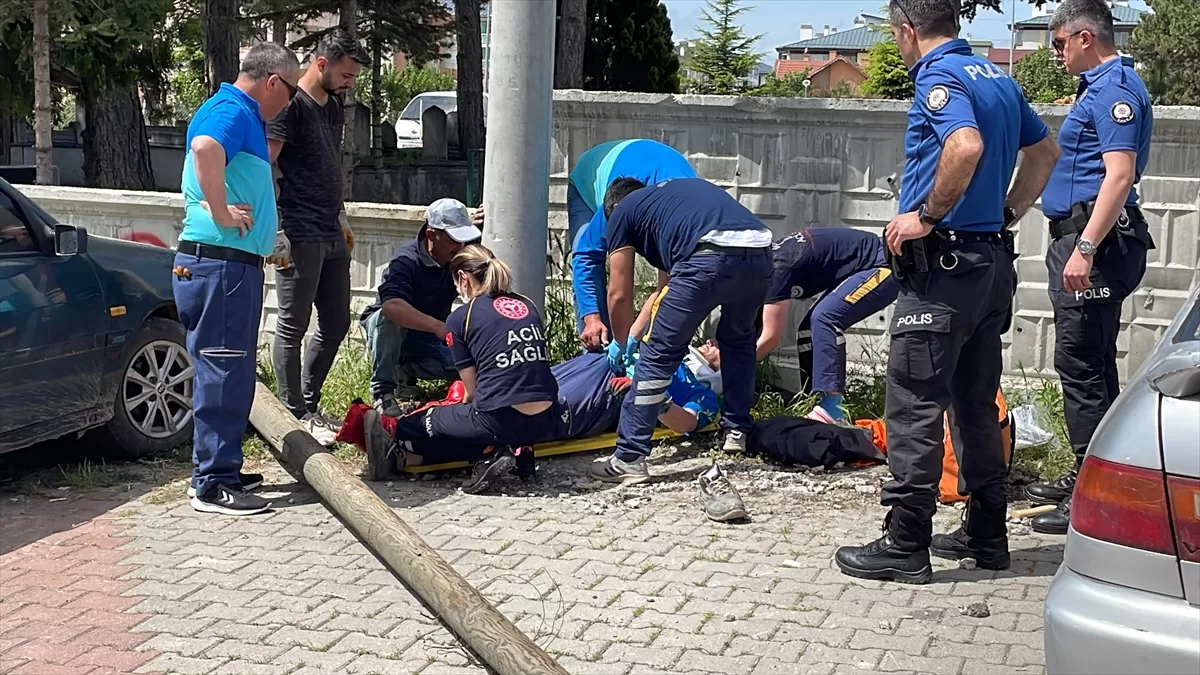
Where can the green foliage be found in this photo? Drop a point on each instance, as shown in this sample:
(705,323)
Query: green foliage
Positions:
(1167,45)
(887,76)
(1042,77)
(398,87)
(724,54)
(187,84)
(790,85)
(630,47)
(840,90)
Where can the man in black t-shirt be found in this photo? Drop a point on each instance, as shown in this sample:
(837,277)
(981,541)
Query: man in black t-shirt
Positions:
(306,145)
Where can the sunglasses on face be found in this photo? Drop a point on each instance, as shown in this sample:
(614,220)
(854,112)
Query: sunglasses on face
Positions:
(1060,43)
(291,88)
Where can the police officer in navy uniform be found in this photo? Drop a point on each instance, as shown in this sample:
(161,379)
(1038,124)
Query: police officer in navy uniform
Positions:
(954,260)
(1099,238)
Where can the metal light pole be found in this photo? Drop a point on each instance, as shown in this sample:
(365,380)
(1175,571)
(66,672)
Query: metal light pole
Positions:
(1012,35)
(516,195)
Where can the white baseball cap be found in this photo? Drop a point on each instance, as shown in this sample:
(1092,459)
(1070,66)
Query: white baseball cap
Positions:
(451,216)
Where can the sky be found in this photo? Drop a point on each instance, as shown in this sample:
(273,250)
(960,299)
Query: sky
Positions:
(779,20)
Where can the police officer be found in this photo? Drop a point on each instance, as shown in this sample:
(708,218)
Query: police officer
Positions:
(1099,237)
(648,161)
(955,266)
(710,252)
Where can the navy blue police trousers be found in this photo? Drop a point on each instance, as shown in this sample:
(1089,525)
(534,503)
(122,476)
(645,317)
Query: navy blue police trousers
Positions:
(734,279)
(821,336)
(220,305)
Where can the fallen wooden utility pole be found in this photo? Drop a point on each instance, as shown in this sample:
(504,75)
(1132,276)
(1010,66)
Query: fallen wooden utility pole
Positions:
(492,636)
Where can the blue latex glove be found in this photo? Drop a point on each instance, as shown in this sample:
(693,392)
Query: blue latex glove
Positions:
(632,345)
(617,357)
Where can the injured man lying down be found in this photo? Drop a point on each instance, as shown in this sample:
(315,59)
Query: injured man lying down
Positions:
(591,397)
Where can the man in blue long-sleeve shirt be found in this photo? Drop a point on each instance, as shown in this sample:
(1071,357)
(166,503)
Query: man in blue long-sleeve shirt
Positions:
(648,161)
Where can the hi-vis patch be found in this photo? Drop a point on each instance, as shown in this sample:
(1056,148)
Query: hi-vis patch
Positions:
(1122,112)
(937,98)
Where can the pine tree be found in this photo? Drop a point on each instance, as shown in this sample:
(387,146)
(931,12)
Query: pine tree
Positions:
(724,55)
(630,48)
(1167,45)
(887,76)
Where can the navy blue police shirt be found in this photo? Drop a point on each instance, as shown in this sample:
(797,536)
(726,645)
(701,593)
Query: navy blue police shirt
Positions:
(818,259)
(664,222)
(954,90)
(1112,112)
(501,336)
(415,277)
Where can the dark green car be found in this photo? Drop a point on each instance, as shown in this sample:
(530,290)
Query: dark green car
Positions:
(89,337)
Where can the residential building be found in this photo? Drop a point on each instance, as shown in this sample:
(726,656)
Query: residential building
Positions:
(1034,32)
(813,51)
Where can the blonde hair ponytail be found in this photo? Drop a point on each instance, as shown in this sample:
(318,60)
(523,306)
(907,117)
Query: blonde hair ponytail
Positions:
(490,274)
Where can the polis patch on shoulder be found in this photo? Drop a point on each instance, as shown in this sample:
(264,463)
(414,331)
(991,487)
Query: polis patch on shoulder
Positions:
(1122,112)
(937,98)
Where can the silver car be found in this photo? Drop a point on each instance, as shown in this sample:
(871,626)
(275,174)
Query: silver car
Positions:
(1127,596)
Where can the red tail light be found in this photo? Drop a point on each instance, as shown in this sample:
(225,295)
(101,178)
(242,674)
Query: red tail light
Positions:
(1124,505)
(1185,514)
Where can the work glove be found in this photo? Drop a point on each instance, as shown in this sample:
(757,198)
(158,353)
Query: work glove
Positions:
(281,256)
(619,385)
(617,358)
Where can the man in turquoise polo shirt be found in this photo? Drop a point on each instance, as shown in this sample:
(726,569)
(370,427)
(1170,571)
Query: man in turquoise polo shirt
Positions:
(648,161)
(229,227)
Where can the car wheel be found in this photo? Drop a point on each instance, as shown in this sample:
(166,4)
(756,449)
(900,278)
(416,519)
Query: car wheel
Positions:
(153,410)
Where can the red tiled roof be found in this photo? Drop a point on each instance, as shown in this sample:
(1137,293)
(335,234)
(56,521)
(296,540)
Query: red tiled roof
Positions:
(999,55)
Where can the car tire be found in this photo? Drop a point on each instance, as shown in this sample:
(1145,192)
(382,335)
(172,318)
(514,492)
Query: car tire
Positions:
(152,415)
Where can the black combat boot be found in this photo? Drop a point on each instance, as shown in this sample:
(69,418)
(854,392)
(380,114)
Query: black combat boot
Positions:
(885,558)
(982,536)
(1054,492)
(491,467)
(525,467)
(1055,522)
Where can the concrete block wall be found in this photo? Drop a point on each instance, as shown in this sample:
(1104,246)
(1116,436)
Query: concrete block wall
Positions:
(796,163)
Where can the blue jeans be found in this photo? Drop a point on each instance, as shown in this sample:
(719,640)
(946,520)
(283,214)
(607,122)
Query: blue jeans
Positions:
(401,357)
(220,306)
(734,279)
(821,336)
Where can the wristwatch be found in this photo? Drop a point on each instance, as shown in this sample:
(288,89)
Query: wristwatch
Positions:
(1085,247)
(927,219)
(1010,216)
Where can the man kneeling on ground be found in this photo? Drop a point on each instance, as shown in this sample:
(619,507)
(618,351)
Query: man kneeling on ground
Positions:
(406,325)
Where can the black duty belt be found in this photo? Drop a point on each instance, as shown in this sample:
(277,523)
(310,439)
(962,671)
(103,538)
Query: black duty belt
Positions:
(220,253)
(1081,213)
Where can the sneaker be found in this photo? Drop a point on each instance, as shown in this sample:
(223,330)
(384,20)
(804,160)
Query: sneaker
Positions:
(225,501)
(735,441)
(323,429)
(249,481)
(386,405)
(613,470)
(881,559)
(484,472)
(524,468)
(381,447)
(819,414)
(1055,491)
(719,499)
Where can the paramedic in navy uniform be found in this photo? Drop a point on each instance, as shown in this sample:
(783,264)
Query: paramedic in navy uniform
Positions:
(955,267)
(710,252)
(498,344)
(1099,237)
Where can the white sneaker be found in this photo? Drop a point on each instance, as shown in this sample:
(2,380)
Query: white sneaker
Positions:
(613,470)
(735,441)
(322,429)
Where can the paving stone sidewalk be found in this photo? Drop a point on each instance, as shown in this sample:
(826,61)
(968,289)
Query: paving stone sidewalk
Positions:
(625,580)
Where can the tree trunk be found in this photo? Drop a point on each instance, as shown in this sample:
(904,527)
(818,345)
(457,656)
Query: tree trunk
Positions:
(220,42)
(279,30)
(43,102)
(376,101)
(470,75)
(116,152)
(5,134)
(572,38)
(349,22)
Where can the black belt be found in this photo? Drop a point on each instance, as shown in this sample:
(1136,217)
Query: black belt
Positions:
(220,253)
(1081,213)
(952,237)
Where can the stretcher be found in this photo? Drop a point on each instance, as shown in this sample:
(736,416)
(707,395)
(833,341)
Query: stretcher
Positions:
(573,446)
